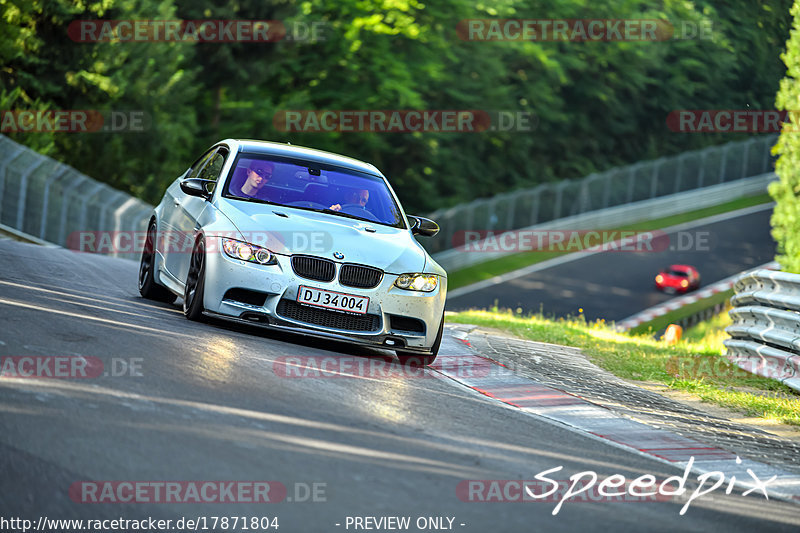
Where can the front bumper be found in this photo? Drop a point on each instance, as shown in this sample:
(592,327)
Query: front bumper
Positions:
(279,285)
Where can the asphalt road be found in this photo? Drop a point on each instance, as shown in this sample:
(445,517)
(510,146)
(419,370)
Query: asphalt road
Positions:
(209,402)
(615,285)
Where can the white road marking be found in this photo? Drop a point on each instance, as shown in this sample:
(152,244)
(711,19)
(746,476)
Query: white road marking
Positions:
(575,256)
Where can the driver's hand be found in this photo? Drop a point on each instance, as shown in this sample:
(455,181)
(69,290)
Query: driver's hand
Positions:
(336,207)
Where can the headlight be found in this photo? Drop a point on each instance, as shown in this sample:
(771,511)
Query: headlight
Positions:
(417,282)
(659,278)
(248,252)
(684,283)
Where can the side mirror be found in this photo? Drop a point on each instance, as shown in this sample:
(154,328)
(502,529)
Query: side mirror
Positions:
(423,226)
(197,187)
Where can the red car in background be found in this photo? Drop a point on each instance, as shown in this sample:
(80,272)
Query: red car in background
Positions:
(678,278)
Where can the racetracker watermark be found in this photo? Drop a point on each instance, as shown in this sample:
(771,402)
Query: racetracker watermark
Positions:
(195,31)
(73,121)
(733,121)
(712,366)
(67,367)
(578,30)
(333,366)
(580,241)
(192,523)
(404,121)
(177,492)
(587,486)
(134,242)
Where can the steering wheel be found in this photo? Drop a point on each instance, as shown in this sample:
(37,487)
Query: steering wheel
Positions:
(359,211)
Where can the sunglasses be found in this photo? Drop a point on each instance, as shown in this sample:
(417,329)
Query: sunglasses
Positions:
(263,172)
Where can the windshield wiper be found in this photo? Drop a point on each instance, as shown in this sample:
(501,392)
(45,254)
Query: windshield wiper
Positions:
(335,212)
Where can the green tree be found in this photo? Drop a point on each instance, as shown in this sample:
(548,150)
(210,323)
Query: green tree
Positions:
(598,104)
(44,65)
(786,191)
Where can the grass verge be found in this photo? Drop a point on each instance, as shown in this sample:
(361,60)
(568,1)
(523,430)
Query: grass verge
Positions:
(661,322)
(694,365)
(503,265)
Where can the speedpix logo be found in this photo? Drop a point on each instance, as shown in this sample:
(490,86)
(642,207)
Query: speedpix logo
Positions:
(587,486)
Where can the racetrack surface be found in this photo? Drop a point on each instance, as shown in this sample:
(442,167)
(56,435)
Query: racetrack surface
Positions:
(617,284)
(210,402)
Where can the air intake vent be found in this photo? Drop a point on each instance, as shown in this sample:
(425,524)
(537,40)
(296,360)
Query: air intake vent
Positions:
(360,276)
(406,323)
(246,296)
(328,319)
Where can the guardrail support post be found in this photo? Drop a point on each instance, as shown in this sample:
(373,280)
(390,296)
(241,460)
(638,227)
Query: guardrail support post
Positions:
(512,206)
(654,177)
(23,192)
(744,160)
(679,173)
(62,228)
(537,193)
(559,194)
(723,163)
(702,172)
(631,178)
(84,207)
(16,152)
(46,199)
(606,188)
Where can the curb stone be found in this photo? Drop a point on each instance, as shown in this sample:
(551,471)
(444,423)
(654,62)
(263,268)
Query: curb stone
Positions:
(559,383)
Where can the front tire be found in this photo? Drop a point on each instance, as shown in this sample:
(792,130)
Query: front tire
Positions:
(195,283)
(148,287)
(415,359)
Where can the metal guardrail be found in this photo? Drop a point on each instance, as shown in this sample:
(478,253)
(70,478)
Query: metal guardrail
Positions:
(49,200)
(765,334)
(619,186)
(53,202)
(702,316)
(619,216)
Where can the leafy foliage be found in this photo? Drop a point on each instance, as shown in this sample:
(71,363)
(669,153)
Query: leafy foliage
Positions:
(597,104)
(786,191)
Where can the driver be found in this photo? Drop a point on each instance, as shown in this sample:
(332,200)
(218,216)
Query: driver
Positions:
(258,174)
(358,197)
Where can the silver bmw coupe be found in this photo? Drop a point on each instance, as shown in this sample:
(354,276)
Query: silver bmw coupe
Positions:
(300,240)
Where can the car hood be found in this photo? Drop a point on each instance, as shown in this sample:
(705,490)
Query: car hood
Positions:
(287,230)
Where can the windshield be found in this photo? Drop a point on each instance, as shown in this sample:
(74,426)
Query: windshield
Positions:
(305,185)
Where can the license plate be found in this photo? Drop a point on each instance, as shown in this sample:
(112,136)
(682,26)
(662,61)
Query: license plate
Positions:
(338,301)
